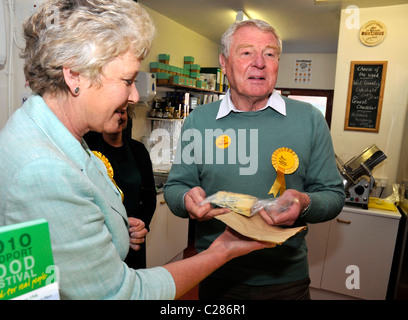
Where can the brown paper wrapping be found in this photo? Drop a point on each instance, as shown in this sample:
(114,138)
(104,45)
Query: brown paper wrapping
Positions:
(256,228)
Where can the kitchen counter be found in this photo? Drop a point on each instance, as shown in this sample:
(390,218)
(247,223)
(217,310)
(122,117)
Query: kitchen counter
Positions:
(159,180)
(373,212)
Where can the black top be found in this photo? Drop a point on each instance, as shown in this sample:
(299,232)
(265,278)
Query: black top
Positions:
(133,173)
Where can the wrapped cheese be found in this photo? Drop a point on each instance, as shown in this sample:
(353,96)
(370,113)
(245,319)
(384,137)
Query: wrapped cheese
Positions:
(236,202)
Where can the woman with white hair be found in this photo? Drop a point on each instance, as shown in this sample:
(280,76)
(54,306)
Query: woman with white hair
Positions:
(81,60)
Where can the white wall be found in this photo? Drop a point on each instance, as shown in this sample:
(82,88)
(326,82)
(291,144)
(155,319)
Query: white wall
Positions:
(3,98)
(3,75)
(323,70)
(395,102)
(23,9)
(179,41)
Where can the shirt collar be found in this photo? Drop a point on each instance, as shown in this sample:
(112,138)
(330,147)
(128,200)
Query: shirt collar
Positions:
(275,102)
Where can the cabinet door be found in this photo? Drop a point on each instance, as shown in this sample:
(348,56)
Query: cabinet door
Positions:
(168,235)
(364,243)
(177,235)
(316,240)
(156,247)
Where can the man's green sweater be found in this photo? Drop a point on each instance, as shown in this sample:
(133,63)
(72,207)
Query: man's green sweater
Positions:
(242,164)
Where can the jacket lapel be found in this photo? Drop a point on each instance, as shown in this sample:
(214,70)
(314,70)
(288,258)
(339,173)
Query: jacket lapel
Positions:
(75,152)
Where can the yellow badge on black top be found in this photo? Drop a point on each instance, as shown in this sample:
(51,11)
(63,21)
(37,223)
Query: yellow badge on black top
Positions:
(285,161)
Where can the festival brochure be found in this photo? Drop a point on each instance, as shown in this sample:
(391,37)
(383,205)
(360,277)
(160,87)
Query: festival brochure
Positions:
(27,269)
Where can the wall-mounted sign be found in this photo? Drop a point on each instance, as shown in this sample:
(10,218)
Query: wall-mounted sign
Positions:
(372,33)
(365,95)
(303,71)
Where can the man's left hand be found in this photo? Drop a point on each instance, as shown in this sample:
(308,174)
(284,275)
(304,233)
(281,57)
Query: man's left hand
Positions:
(300,201)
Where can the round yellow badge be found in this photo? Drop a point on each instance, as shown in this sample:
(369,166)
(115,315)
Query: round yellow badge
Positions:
(223,142)
(285,160)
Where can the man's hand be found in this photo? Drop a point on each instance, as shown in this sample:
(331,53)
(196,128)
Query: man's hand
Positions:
(300,201)
(192,200)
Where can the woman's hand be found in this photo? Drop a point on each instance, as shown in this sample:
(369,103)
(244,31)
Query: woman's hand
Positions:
(235,244)
(137,233)
(229,245)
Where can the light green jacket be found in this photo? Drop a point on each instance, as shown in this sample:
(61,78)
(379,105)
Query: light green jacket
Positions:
(46,173)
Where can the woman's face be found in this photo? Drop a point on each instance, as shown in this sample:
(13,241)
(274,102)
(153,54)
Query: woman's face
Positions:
(104,106)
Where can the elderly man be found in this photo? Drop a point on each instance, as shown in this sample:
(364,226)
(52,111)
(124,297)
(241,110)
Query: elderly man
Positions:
(270,146)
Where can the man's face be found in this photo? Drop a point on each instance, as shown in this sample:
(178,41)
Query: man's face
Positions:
(252,66)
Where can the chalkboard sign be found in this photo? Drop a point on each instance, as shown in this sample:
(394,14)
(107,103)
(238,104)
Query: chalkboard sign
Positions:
(365,95)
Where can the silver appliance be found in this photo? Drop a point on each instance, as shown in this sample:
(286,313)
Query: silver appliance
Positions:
(357,178)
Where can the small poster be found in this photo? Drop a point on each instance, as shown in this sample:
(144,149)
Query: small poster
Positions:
(303,71)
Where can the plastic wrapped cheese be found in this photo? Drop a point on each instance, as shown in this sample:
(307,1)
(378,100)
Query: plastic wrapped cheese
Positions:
(236,202)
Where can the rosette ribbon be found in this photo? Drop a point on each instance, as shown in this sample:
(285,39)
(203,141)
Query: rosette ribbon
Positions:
(285,161)
(109,169)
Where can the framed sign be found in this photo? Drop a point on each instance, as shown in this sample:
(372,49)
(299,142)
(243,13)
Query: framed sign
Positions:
(373,33)
(365,95)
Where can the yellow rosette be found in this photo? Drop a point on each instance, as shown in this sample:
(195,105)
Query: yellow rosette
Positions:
(109,169)
(285,161)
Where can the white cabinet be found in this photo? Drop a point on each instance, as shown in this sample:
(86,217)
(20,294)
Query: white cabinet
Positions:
(351,256)
(317,243)
(168,236)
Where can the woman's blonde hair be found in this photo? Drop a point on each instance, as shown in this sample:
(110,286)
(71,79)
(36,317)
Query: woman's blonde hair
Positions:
(83,35)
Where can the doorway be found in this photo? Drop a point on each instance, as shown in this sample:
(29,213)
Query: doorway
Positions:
(321,99)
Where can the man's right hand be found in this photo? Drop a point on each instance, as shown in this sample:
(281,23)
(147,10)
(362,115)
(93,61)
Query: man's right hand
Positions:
(192,200)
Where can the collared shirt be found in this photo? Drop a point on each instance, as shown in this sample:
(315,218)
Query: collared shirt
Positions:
(275,102)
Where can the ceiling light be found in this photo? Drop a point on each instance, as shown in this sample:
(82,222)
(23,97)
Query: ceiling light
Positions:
(241,16)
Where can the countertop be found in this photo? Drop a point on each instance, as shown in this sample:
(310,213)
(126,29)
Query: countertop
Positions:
(373,211)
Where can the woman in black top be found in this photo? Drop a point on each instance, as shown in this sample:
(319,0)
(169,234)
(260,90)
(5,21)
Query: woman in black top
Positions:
(132,169)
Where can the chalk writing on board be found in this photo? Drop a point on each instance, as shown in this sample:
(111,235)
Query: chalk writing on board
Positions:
(364,101)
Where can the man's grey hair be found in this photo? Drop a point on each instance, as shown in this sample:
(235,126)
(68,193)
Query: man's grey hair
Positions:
(227,37)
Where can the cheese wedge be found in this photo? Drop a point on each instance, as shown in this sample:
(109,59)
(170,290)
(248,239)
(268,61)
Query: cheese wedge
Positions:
(236,202)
